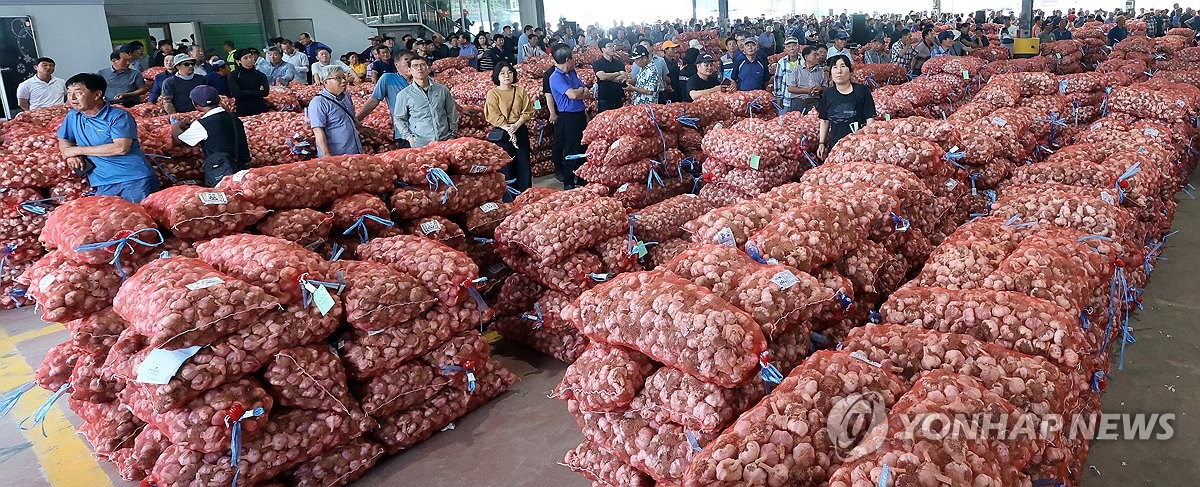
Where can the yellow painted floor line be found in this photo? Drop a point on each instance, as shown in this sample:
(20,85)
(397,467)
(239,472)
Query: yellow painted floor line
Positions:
(64,457)
(7,342)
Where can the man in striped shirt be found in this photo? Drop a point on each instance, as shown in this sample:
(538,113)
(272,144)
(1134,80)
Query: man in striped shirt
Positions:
(902,51)
(784,69)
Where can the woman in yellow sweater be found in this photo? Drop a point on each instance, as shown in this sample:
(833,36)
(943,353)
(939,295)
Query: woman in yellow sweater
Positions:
(508,109)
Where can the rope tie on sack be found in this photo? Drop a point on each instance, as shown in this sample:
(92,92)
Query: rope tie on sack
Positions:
(120,244)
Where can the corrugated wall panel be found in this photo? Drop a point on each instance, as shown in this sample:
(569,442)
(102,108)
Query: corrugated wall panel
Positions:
(142,12)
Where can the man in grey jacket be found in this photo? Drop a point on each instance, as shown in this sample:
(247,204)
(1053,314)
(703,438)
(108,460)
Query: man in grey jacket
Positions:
(425,111)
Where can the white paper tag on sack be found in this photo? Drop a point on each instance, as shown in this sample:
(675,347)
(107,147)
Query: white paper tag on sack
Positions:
(623,188)
(858,354)
(205,283)
(999,122)
(785,279)
(1151,131)
(160,365)
(725,237)
(476,169)
(323,300)
(496,268)
(214,198)
(489,207)
(430,226)
(238,176)
(951,183)
(45,282)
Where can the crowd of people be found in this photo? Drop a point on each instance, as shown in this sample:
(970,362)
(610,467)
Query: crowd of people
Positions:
(814,73)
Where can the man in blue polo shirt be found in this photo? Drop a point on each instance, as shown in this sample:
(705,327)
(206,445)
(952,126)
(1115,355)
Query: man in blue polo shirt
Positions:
(750,67)
(569,92)
(94,132)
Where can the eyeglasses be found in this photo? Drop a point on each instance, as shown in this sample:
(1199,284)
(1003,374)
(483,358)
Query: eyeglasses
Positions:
(186,64)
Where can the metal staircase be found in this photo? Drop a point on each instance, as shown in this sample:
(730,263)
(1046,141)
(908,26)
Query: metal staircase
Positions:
(430,16)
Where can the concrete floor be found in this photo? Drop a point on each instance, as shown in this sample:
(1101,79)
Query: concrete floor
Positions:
(517,439)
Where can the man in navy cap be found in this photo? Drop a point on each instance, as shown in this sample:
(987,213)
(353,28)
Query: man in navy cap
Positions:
(841,42)
(219,133)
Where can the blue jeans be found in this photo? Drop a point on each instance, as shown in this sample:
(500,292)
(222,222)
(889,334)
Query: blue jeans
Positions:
(132,191)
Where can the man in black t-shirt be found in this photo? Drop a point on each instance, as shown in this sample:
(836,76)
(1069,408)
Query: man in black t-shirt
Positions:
(610,76)
(706,80)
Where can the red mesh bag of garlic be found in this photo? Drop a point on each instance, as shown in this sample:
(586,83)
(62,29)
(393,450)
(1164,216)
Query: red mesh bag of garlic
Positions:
(309,377)
(276,265)
(603,467)
(670,395)
(183,302)
(623,311)
(369,354)
(605,377)
(662,450)
(311,184)
(32,168)
(97,219)
(378,296)
(784,438)
(65,290)
(921,156)
(570,229)
(445,272)
(194,212)
(407,386)
(342,465)
(304,226)
(200,424)
(469,191)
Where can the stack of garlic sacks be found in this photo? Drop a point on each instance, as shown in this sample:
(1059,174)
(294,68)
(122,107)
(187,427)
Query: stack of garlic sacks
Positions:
(202,333)
(1014,313)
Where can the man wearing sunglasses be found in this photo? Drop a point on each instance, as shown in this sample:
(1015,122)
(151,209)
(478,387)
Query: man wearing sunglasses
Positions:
(175,90)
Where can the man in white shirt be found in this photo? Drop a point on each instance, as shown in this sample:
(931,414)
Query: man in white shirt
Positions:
(840,47)
(296,58)
(43,89)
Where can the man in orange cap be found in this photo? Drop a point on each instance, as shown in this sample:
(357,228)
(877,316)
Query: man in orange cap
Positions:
(670,61)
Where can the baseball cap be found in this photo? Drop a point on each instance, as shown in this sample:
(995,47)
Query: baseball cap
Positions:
(790,40)
(639,51)
(669,44)
(179,58)
(843,35)
(945,35)
(705,58)
(205,96)
(956,34)
(241,53)
(375,38)
(218,64)
(750,40)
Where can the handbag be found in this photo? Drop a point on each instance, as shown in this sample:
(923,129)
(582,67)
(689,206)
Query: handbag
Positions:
(496,134)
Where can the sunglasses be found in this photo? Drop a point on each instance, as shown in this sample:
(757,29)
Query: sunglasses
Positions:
(186,64)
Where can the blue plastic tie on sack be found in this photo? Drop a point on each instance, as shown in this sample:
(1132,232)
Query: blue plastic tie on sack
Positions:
(235,439)
(39,415)
(769,373)
(1099,381)
(662,138)
(536,317)
(470,286)
(991,196)
(875,317)
(309,286)
(573,157)
(483,240)
(752,106)
(600,277)
(974,176)
(509,189)
(691,439)
(1132,171)
(899,223)
(335,252)
(5,251)
(16,294)
(652,175)
(39,207)
(300,148)
(120,245)
(360,226)
(756,255)
(885,476)
(436,176)
(1012,222)
(845,300)
(870,79)
(1084,322)
(1104,102)
(467,369)
(954,157)
(10,398)
(1062,87)
(688,121)
(153,159)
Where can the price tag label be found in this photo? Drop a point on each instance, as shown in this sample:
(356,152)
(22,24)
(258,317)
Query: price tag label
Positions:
(323,300)
(887,116)
(785,279)
(495,268)
(615,144)
(951,183)
(623,188)
(489,207)
(1096,126)
(999,122)
(954,149)
(1107,198)
(430,226)
(966,74)
(641,249)
(205,283)
(1058,55)
(754,160)
(725,237)
(45,282)
(1153,132)
(537,104)
(161,365)
(476,169)
(858,354)
(214,198)
(238,176)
